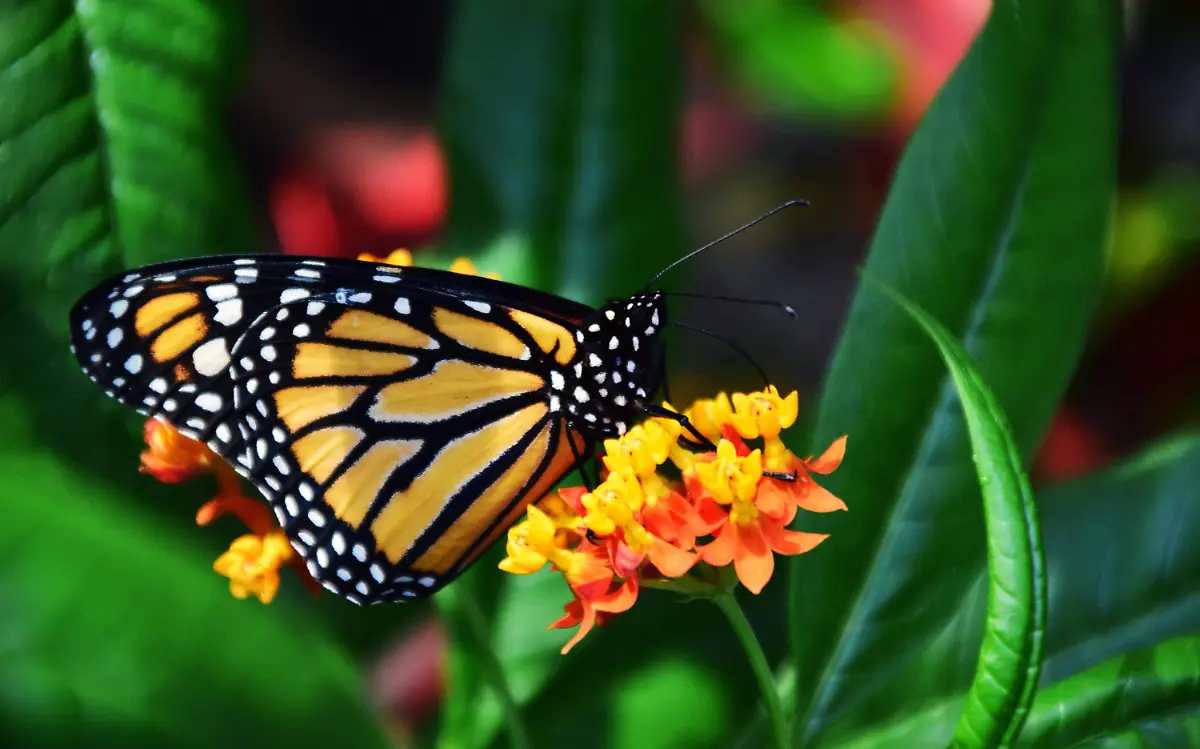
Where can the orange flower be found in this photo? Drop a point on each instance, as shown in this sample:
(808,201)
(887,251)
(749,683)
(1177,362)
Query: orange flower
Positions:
(803,492)
(587,613)
(252,562)
(172,457)
(640,527)
(748,536)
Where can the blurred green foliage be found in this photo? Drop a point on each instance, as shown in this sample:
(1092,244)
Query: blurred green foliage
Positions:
(560,126)
(799,58)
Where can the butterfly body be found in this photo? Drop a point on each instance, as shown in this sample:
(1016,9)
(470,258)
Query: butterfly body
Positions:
(398,420)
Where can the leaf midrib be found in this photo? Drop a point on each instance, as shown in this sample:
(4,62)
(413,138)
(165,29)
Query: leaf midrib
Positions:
(103,152)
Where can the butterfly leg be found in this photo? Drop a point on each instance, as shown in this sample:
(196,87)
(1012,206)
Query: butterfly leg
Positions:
(704,442)
(658,411)
(580,464)
(662,372)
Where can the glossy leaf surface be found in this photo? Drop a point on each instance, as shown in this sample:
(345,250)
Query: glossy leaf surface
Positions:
(979,232)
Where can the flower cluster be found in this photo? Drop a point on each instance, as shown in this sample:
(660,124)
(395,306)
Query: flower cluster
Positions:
(641,528)
(253,560)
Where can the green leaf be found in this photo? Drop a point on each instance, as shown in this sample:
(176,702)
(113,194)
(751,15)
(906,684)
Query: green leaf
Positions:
(1133,694)
(116,632)
(1130,528)
(1011,657)
(1122,579)
(112,154)
(560,122)
(995,225)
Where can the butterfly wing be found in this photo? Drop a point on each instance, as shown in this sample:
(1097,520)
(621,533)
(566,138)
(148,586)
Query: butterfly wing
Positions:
(395,419)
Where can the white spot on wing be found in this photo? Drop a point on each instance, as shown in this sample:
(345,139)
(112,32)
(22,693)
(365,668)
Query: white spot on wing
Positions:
(209,401)
(291,295)
(211,358)
(229,311)
(221,292)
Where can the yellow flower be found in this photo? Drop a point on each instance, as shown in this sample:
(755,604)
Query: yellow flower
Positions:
(641,450)
(645,528)
(401,257)
(252,564)
(532,543)
(763,414)
(613,504)
(731,476)
(708,415)
(466,267)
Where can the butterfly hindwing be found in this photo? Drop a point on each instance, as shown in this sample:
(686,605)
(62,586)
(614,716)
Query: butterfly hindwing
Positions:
(401,438)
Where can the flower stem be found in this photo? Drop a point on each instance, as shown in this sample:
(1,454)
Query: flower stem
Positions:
(780,731)
(494,671)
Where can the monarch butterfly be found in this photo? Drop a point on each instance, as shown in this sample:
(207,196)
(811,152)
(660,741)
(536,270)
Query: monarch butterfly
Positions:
(397,420)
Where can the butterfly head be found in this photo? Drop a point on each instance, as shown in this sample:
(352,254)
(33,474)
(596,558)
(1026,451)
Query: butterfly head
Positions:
(617,366)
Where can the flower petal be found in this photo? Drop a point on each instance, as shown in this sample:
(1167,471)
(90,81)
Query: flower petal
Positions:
(772,498)
(669,560)
(819,499)
(253,514)
(784,541)
(625,561)
(721,551)
(831,458)
(752,557)
(587,621)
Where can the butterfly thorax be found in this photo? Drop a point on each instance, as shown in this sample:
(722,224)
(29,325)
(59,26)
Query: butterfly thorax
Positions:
(616,367)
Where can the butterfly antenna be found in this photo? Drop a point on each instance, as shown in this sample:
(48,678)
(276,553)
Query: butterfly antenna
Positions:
(741,351)
(733,233)
(787,308)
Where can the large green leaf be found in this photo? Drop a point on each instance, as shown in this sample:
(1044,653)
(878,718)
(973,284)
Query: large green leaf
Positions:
(1122,579)
(1148,695)
(111,155)
(995,225)
(1011,657)
(116,632)
(560,122)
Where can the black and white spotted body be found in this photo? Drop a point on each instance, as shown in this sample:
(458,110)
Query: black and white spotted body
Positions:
(617,366)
